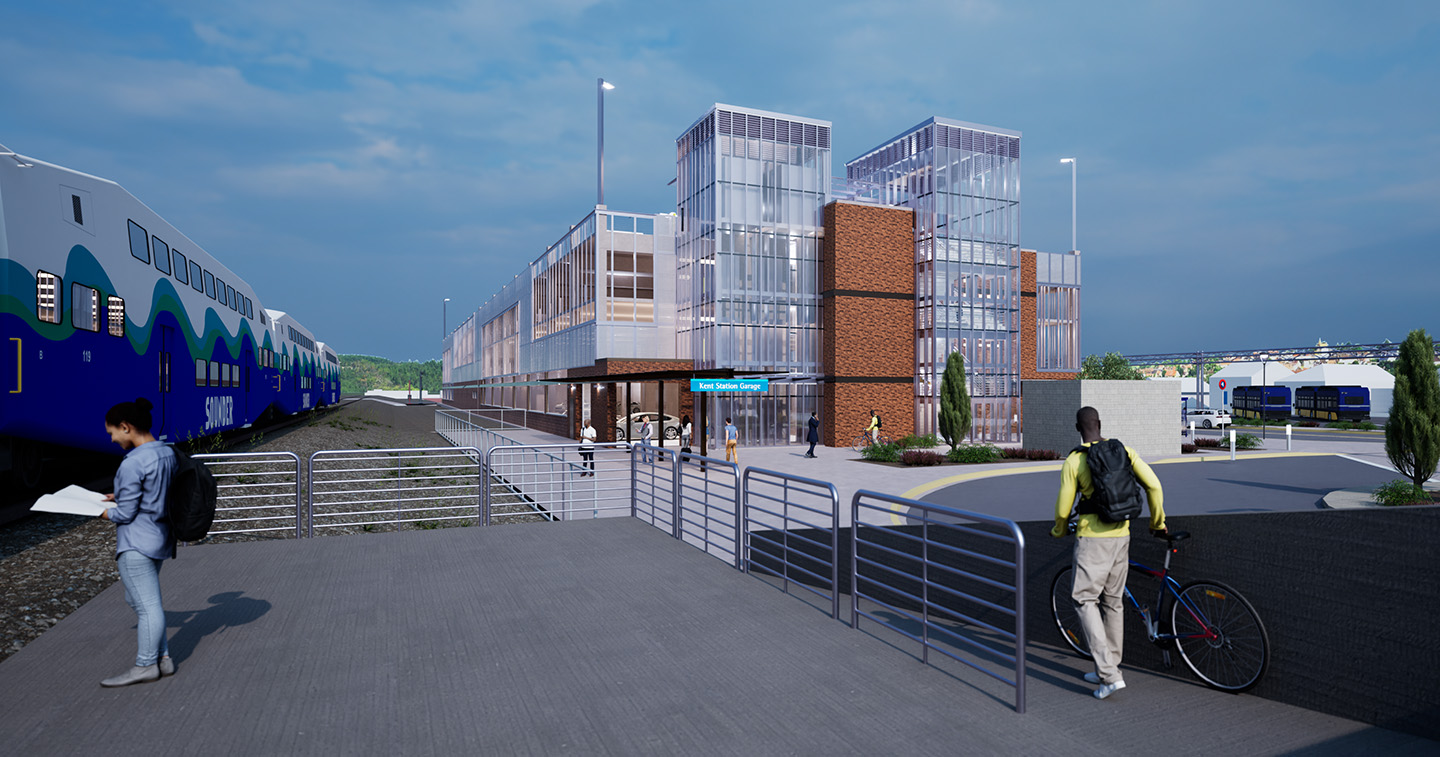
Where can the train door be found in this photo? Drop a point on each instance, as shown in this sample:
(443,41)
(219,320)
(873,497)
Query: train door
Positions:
(247,358)
(167,339)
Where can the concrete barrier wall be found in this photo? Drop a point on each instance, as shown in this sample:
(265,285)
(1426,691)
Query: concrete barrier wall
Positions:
(1145,415)
(1347,597)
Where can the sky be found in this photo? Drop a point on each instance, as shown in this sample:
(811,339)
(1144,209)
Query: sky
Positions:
(1249,174)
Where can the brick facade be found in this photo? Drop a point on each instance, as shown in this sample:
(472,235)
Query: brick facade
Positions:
(868,315)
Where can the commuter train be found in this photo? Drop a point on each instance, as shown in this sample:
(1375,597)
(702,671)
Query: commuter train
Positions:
(102,301)
(1333,403)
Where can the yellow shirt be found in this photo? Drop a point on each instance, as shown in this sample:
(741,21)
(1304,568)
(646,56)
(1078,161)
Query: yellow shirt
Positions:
(1075,477)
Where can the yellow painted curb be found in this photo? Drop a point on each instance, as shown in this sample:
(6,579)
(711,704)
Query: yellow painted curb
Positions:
(940,483)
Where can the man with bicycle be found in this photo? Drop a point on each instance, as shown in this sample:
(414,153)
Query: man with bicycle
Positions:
(1102,547)
(872,431)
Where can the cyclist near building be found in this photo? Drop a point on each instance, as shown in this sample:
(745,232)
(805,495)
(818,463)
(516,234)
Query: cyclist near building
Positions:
(873,430)
(1102,547)
(732,439)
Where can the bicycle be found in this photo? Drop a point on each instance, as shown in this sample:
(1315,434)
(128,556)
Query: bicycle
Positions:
(1214,628)
(862,440)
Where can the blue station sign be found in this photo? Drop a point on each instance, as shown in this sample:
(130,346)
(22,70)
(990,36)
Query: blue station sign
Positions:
(729,385)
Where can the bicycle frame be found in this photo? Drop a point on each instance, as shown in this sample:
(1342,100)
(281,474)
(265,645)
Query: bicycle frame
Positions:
(1170,585)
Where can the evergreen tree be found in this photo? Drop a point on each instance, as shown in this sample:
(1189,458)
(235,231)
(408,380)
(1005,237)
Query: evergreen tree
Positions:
(1412,437)
(955,410)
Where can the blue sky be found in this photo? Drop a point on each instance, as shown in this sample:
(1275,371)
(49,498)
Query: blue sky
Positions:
(1250,174)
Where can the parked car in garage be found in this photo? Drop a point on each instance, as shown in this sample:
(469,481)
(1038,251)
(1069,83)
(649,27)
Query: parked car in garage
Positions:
(628,428)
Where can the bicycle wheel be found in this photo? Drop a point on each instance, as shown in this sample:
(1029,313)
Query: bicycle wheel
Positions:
(1062,607)
(1219,636)
(860,443)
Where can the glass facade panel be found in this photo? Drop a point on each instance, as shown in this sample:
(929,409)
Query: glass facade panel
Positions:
(1057,312)
(963,181)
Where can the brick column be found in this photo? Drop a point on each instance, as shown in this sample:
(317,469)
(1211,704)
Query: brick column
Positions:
(868,314)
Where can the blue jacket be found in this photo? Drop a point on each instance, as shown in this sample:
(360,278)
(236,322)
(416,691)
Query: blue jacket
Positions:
(141,486)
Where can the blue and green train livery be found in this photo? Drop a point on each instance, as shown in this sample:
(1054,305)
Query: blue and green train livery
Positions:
(102,301)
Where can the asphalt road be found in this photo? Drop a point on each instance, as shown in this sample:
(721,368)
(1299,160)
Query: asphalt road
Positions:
(1213,486)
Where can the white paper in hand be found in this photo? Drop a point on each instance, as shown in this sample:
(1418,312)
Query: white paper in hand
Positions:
(72,500)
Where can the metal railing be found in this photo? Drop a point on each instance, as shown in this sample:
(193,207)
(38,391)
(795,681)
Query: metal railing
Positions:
(792,531)
(384,489)
(465,428)
(952,581)
(556,482)
(707,506)
(257,492)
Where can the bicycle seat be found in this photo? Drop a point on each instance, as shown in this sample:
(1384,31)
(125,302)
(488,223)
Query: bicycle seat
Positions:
(1175,536)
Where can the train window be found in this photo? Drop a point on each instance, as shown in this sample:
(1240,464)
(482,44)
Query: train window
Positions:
(162,255)
(197,277)
(139,242)
(249,308)
(220,290)
(231,291)
(214,373)
(224,374)
(210,284)
(235,375)
(182,272)
(84,307)
(75,208)
(262,317)
(199,372)
(115,308)
(47,297)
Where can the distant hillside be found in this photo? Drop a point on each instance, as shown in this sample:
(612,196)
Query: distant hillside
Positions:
(361,373)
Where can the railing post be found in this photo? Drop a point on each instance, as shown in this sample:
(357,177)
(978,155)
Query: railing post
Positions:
(1020,639)
(634,490)
(835,552)
(298,522)
(854,564)
(675,484)
(310,495)
(739,523)
(488,470)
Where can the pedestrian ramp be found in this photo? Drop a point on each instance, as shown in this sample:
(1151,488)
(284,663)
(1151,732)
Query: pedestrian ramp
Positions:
(605,636)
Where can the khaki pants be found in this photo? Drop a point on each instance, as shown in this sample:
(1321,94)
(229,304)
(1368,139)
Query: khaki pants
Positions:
(731,452)
(1102,564)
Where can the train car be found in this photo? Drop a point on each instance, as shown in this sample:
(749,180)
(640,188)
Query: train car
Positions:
(102,301)
(329,375)
(298,363)
(1333,403)
(1269,402)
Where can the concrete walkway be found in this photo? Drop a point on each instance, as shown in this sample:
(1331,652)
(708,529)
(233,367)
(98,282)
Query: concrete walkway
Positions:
(599,637)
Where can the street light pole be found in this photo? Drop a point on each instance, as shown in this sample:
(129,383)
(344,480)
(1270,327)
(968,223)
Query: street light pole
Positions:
(1071,161)
(1264,364)
(444,320)
(600,86)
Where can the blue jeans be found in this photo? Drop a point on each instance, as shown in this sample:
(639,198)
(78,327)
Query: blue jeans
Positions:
(141,576)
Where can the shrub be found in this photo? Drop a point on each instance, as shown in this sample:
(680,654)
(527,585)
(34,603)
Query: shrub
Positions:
(1015,453)
(1209,442)
(1342,425)
(1188,448)
(1401,492)
(881,453)
(1247,441)
(1308,424)
(974,453)
(921,457)
(1412,435)
(1366,426)
(912,441)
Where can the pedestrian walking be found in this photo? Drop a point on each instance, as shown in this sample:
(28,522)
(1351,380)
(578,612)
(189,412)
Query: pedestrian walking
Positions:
(685,431)
(732,441)
(587,447)
(1105,474)
(142,534)
(814,435)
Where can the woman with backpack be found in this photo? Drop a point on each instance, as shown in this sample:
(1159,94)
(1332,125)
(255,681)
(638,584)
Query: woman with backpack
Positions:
(142,535)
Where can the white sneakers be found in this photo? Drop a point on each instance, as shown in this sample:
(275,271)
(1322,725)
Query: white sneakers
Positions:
(1108,689)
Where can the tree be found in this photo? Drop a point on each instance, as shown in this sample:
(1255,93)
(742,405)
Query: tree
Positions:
(955,411)
(1412,437)
(1112,367)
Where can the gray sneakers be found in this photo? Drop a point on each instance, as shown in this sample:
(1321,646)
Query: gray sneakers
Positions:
(167,666)
(1089,677)
(136,674)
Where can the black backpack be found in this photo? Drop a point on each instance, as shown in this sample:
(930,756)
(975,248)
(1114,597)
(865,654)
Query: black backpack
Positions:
(1116,497)
(190,503)
(878,424)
